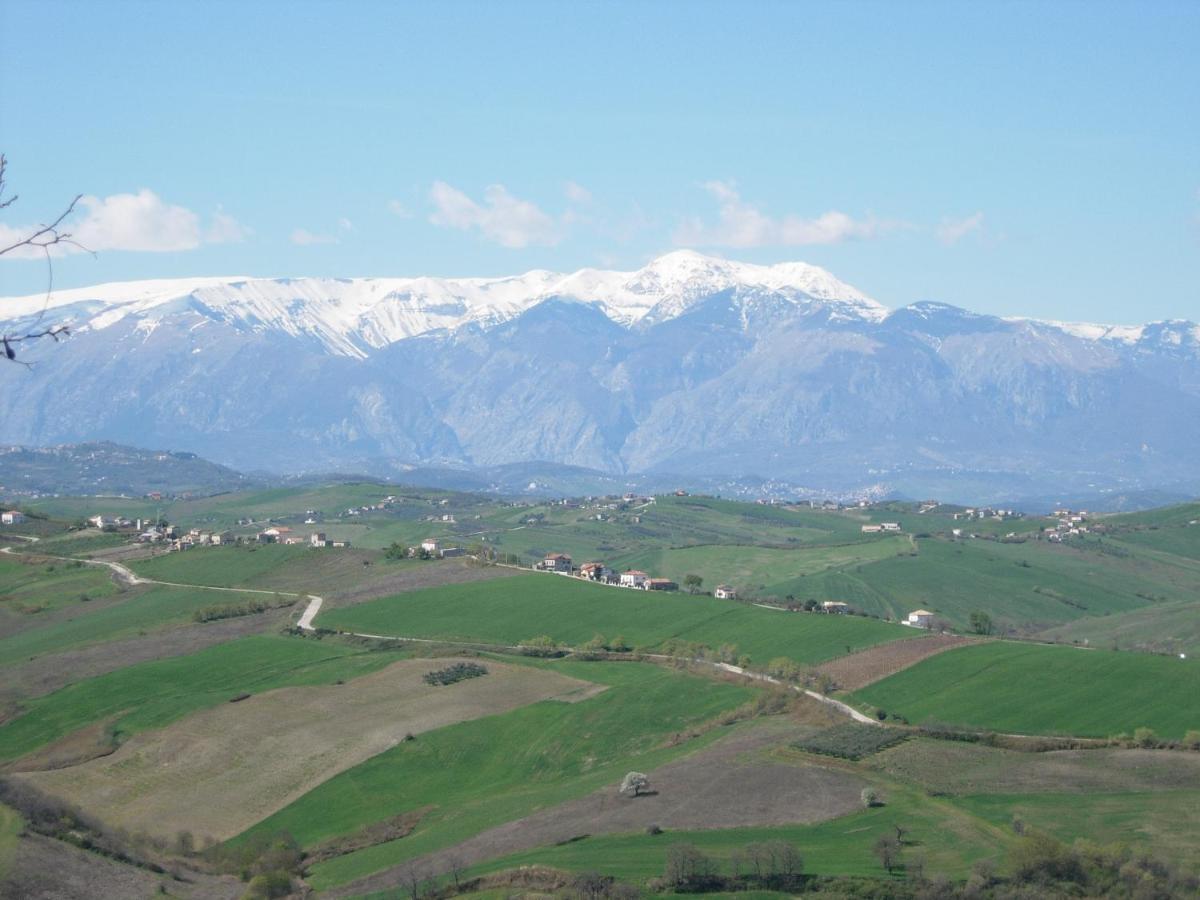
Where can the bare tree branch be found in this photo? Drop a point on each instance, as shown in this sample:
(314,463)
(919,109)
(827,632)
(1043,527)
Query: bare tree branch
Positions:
(43,238)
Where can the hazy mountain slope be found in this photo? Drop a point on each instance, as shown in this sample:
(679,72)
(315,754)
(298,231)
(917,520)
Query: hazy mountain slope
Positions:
(690,365)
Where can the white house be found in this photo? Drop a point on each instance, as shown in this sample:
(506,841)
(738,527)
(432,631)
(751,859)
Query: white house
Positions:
(921,618)
(872,529)
(12,517)
(836,607)
(725,592)
(890,526)
(635,579)
(317,539)
(431,545)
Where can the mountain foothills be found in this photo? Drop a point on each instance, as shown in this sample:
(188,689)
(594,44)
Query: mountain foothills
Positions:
(691,366)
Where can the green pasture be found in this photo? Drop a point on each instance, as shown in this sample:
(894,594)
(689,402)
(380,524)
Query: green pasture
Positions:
(510,610)
(1040,689)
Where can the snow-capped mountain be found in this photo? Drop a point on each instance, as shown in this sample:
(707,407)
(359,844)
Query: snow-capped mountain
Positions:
(690,365)
(353,316)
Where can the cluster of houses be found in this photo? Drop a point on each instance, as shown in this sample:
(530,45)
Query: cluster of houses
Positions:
(386,503)
(893,527)
(1071,523)
(986,512)
(282,534)
(602,574)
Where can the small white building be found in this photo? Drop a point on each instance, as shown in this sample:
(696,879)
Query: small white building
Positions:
(920,618)
(12,517)
(890,526)
(635,579)
(317,539)
(836,607)
(725,592)
(432,546)
(872,529)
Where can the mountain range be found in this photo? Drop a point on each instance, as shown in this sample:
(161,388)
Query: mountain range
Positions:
(691,366)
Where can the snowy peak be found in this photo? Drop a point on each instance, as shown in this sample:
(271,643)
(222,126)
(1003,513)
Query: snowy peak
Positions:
(352,316)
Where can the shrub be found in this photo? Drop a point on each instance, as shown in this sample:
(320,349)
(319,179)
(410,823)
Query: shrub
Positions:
(870,798)
(455,673)
(1191,740)
(1145,737)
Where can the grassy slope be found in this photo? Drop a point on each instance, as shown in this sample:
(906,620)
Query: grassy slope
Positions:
(150,695)
(11,825)
(221,566)
(551,752)
(137,612)
(950,841)
(1026,585)
(25,584)
(571,611)
(1162,628)
(1037,689)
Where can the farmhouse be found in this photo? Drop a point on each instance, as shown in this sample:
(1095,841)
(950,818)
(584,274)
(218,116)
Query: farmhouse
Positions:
(890,526)
(12,517)
(317,539)
(431,545)
(557,562)
(725,592)
(662,584)
(872,529)
(634,579)
(837,607)
(921,618)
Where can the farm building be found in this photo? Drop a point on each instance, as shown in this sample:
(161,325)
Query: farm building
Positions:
(634,579)
(662,584)
(725,592)
(557,562)
(872,529)
(837,607)
(431,545)
(12,517)
(921,618)
(317,539)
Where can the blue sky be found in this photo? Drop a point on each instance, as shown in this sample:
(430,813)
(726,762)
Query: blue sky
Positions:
(1015,158)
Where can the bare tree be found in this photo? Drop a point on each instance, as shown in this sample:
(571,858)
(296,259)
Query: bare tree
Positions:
(41,238)
(887,851)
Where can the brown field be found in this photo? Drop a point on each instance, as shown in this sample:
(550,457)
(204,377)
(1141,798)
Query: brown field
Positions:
(382,582)
(954,767)
(732,783)
(219,771)
(868,666)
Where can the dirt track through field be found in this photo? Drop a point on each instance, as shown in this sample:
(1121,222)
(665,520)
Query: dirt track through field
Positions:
(218,771)
(730,784)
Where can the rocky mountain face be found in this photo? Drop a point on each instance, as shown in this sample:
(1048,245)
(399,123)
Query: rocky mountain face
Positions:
(692,365)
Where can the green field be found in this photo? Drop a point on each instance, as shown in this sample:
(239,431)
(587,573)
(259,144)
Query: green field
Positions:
(29,587)
(510,610)
(221,566)
(1037,689)
(153,694)
(135,612)
(552,752)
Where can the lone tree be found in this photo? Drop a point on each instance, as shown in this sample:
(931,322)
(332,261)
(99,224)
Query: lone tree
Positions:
(981,622)
(887,851)
(40,239)
(692,583)
(634,783)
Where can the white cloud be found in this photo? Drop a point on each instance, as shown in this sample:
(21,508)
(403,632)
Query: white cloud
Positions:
(399,209)
(345,224)
(501,218)
(305,238)
(577,193)
(951,231)
(740,224)
(140,222)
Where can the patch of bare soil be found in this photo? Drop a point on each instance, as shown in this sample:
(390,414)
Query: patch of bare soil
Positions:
(46,674)
(857,670)
(90,742)
(220,770)
(954,767)
(732,783)
(389,829)
(46,869)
